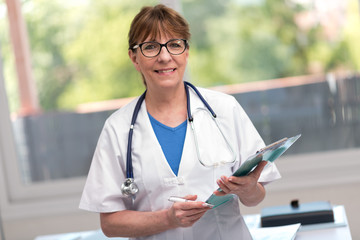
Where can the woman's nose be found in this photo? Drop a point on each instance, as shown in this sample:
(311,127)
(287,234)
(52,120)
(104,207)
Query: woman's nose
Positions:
(164,54)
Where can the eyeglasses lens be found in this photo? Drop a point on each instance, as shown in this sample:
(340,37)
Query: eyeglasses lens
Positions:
(152,49)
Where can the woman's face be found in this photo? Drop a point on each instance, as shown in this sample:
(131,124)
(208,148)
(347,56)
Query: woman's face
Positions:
(162,71)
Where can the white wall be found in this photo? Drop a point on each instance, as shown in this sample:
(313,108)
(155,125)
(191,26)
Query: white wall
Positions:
(330,176)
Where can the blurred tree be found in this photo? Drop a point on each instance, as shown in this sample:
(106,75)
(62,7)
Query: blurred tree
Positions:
(99,55)
(252,42)
(263,40)
(346,55)
(197,14)
(79,49)
(51,25)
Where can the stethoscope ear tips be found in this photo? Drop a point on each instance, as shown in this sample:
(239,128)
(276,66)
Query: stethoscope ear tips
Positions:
(129,187)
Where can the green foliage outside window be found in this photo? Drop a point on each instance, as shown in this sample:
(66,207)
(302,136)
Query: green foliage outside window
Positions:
(79,51)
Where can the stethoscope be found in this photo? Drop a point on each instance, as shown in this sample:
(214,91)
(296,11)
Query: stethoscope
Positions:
(129,188)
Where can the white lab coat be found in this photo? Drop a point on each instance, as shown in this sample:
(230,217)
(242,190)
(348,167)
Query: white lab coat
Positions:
(156,180)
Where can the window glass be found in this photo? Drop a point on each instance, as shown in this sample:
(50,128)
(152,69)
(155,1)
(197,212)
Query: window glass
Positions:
(79,55)
(298,62)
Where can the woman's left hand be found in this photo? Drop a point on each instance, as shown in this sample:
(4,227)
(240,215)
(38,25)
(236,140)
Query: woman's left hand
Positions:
(247,188)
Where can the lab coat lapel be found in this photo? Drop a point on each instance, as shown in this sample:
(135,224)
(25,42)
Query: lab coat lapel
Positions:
(152,151)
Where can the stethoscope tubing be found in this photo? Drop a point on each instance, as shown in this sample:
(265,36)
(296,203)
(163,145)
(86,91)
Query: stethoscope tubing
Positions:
(201,98)
(129,168)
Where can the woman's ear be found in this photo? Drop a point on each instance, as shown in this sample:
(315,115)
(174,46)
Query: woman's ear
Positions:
(133,58)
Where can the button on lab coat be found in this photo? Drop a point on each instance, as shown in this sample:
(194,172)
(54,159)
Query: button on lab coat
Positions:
(156,180)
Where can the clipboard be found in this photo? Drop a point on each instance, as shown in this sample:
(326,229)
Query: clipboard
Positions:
(269,153)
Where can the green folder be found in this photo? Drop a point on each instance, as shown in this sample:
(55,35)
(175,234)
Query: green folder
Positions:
(269,153)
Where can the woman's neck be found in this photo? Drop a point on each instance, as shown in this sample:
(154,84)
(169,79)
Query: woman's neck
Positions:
(168,106)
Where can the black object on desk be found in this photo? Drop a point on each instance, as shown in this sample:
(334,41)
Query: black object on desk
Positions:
(306,213)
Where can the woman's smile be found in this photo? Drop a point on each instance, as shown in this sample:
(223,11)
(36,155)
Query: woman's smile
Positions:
(165,71)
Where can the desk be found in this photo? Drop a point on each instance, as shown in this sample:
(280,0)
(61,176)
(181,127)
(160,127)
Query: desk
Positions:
(335,231)
(339,230)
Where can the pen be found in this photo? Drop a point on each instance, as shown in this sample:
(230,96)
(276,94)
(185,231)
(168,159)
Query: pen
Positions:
(179,199)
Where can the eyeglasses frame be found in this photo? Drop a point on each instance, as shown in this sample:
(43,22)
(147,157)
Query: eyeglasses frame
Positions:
(161,46)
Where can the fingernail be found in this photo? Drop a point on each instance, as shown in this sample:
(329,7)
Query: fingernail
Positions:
(223,178)
(208,205)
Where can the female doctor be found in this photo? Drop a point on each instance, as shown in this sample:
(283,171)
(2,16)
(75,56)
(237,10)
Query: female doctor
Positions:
(176,148)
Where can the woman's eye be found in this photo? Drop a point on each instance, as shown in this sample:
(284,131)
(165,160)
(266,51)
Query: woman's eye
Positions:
(175,45)
(149,47)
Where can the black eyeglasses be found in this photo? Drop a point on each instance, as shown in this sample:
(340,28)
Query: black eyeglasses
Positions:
(152,49)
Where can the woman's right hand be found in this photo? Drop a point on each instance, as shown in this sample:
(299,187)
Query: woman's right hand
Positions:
(185,214)
(129,223)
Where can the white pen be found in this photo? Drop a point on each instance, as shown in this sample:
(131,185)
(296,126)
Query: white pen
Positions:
(180,199)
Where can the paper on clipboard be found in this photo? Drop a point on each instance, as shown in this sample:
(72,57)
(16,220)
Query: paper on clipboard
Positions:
(269,153)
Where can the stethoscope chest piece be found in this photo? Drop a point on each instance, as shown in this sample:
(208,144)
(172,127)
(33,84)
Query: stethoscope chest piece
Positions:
(129,187)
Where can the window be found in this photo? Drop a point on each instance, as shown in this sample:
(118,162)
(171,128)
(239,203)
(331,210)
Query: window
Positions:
(308,48)
(47,153)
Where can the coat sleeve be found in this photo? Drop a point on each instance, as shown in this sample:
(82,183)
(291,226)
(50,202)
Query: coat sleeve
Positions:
(102,191)
(249,141)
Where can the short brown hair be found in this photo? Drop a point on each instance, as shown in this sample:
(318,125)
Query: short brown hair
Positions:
(153,21)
